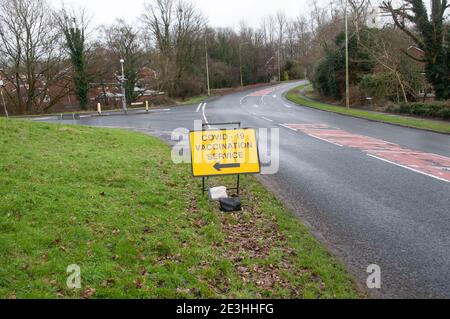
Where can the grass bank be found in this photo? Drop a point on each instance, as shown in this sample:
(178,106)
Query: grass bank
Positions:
(194,100)
(295,96)
(113,203)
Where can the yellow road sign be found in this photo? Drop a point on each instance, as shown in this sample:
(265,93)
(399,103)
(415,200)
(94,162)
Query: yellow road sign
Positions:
(224,152)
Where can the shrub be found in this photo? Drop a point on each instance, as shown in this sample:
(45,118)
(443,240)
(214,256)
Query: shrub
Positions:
(294,70)
(329,77)
(326,79)
(376,86)
(438,109)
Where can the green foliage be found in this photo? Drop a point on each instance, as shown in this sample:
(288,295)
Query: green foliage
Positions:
(383,86)
(377,86)
(438,109)
(412,76)
(438,126)
(326,80)
(448,49)
(131,75)
(329,78)
(432,42)
(75,44)
(294,70)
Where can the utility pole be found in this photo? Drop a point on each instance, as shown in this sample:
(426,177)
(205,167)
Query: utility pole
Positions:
(3,98)
(347,80)
(207,64)
(122,80)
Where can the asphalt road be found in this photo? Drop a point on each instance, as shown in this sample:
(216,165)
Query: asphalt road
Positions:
(362,187)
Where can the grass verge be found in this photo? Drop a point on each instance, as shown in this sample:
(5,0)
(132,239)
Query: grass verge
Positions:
(295,96)
(113,203)
(194,100)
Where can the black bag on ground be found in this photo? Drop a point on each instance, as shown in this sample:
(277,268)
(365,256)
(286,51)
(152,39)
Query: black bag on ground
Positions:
(228,205)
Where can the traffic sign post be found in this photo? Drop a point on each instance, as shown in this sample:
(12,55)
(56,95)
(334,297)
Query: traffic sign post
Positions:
(224,152)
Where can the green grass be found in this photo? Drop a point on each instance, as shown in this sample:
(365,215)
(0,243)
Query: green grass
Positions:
(113,203)
(437,126)
(194,100)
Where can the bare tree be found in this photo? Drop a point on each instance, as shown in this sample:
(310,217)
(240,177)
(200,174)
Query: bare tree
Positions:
(176,29)
(158,19)
(361,10)
(31,55)
(383,52)
(101,66)
(188,27)
(123,40)
(281,25)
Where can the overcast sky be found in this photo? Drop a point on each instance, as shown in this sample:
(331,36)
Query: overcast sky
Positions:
(223,13)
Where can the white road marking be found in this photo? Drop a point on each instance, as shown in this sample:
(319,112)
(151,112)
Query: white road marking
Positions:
(274,96)
(409,168)
(262,100)
(267,119)
(289,128)
(324,140)
(255,106)
(199,107)
(288,106)
(313,136)
(204,115)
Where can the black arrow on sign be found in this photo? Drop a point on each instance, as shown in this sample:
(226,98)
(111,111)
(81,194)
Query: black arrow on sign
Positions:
(218,167)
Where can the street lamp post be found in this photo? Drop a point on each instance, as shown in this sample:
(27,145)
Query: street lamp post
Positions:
(122,80)
(3,98)
(240,62)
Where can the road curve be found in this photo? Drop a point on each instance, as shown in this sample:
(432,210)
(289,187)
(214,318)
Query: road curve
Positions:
(374,193)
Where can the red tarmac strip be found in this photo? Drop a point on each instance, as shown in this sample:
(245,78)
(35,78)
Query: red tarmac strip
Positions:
(264,92)
(432,165)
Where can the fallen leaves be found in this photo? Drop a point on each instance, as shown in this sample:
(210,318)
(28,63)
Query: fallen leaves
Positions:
(250,238)
(138,283)
(88,293)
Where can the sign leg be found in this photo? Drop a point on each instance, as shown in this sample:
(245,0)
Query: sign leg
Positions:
(238,184)
(203,186)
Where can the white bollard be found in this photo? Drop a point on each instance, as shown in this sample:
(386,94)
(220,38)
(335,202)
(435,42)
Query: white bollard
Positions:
(99,109)
(146,106)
